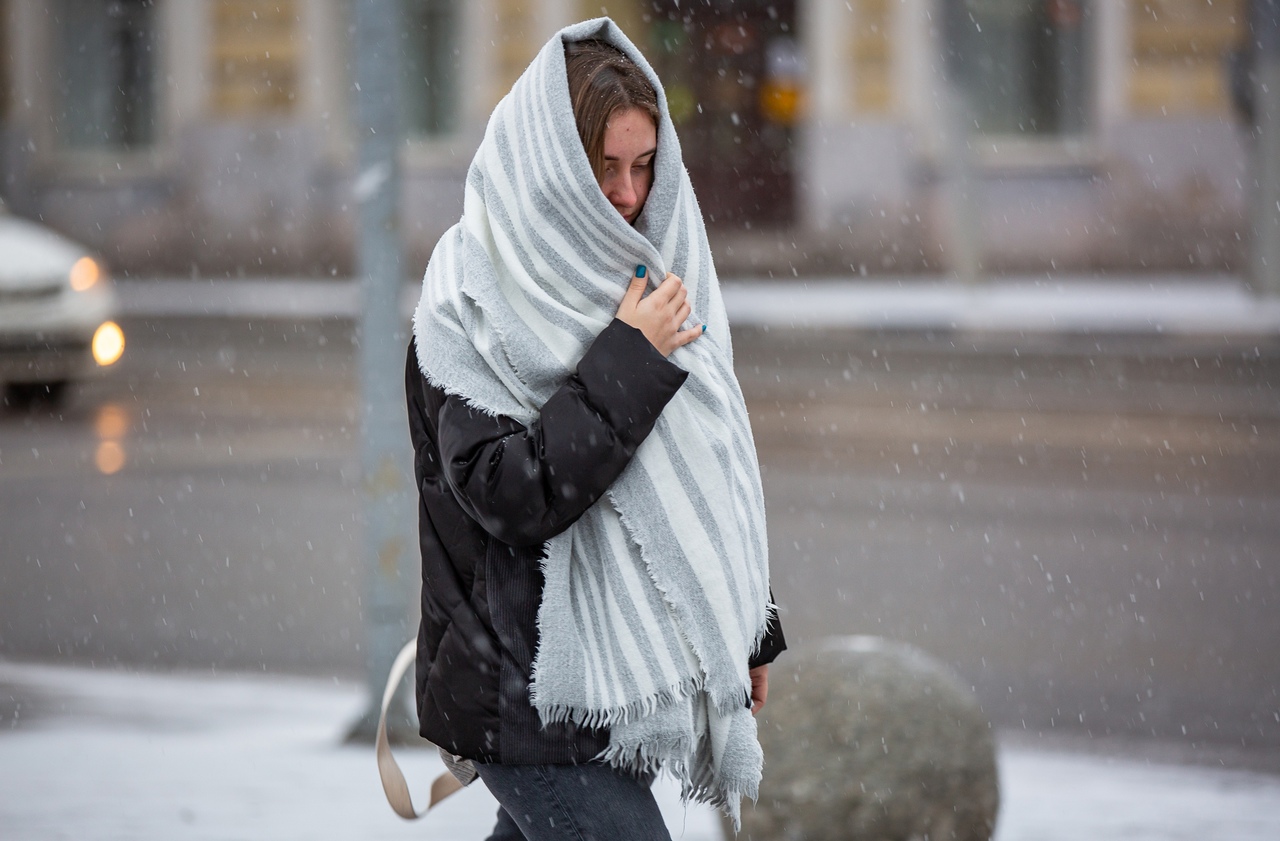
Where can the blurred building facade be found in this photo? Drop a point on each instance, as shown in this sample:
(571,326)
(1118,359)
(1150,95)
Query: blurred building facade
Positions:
(823,136)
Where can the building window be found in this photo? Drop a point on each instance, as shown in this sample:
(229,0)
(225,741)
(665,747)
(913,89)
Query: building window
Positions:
(1181,55)
(873,56)
(106,72)
(431,56)
(255,56)
(1023,66)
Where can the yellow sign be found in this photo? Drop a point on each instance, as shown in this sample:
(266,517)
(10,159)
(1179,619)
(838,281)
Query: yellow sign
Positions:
(781,101)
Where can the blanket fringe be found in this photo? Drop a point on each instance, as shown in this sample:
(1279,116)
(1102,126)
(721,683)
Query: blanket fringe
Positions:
(650,757)
(698,781)
(612,716)
(704,786)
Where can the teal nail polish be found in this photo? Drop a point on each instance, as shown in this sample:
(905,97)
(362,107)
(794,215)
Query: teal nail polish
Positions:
(640,270)
(704,328)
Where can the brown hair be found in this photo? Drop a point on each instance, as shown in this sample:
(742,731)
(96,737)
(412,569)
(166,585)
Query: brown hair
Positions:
(603,81)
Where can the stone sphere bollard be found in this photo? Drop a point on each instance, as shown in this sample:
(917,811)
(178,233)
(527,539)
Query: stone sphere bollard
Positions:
(869,739)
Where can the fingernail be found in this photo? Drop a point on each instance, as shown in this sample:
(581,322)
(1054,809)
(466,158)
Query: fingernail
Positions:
(704,328)
(640,270)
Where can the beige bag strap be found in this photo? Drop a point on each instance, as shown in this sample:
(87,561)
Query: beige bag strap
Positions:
(393,782)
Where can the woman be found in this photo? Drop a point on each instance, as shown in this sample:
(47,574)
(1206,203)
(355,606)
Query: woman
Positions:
(595,602)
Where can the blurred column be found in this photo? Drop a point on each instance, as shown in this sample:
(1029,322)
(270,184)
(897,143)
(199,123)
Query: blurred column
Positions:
(1264,19)
(1111,30)
(955,125)
(825,30)
(557,14)
(385,452)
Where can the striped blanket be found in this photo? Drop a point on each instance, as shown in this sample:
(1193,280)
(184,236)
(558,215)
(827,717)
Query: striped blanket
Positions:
(655,599)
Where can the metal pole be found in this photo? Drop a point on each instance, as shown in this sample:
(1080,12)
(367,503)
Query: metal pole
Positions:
(385,454)
(1264,22)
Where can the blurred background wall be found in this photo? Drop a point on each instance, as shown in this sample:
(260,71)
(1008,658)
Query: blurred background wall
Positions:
(211,137)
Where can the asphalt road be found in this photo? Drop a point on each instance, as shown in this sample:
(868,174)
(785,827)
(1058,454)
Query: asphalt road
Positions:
(1086,531)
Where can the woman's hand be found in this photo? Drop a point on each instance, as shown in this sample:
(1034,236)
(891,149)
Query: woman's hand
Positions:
(759,687)
(660,313)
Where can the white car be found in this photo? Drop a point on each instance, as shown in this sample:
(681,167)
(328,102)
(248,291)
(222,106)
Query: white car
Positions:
(57,311)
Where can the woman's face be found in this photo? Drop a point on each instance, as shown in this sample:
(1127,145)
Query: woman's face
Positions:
(630,141)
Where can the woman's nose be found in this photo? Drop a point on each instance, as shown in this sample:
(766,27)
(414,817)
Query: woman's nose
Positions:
(624,191)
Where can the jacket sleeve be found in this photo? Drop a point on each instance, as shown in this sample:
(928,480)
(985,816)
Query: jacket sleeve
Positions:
(525,485)
(773,643)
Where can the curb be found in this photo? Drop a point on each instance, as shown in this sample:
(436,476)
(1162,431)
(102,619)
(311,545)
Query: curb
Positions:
(1210,306)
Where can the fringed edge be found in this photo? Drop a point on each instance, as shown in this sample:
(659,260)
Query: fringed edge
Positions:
(650,758)
(611,716)
(425,315)
(706,787)
(727,800)
(675,757)
(520,414)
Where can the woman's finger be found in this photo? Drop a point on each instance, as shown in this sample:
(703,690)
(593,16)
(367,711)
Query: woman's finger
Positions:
(685,336)
(681,295)
(670,308)
(636,290)
(667,289)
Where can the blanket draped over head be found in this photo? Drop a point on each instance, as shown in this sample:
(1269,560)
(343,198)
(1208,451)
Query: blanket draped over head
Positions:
(657,596)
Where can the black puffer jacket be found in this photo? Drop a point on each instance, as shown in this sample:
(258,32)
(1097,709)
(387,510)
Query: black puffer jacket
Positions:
(491,493)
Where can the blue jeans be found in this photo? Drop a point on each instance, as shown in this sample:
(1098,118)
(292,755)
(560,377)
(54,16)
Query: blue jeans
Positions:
(591,802)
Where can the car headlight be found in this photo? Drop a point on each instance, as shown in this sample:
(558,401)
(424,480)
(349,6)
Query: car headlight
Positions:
(108,343)
(84,274)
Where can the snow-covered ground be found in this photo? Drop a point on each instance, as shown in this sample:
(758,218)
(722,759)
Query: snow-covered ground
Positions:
(1173,305)
(94,754)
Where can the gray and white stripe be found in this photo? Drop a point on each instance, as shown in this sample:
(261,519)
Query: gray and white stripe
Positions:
(655,599)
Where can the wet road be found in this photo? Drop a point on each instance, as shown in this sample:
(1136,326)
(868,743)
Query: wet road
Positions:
(1088,533)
